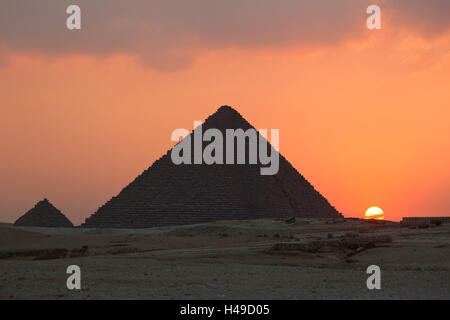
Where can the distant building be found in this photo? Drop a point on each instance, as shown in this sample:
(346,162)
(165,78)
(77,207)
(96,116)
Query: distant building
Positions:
(415,221)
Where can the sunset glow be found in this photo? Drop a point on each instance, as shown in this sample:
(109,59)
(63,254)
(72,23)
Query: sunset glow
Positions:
(362,114)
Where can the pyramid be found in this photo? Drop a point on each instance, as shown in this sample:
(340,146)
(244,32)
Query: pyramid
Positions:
(170,194)
(44,214)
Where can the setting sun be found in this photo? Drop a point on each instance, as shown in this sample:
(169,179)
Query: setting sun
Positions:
(375,213)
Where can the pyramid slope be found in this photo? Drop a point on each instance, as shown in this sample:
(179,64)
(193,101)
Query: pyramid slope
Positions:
(167,194)
(44,214)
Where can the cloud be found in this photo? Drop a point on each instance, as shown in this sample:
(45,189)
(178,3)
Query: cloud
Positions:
(168,34)
(429,18)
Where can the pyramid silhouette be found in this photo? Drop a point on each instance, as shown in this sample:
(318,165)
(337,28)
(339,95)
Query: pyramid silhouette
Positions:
(169,194)
(44,214)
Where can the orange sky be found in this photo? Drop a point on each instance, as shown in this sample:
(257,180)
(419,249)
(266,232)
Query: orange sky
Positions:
(364,120)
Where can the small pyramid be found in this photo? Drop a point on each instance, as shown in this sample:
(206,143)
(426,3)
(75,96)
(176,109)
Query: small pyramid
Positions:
(169,194)
(44,214)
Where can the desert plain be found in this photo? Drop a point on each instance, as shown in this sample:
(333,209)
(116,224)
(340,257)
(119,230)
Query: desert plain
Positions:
(251,259)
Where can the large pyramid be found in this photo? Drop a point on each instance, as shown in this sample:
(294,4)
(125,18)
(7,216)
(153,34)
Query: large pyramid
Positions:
(44,214)
(169,194)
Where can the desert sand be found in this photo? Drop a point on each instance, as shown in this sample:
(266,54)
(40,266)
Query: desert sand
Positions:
(255,259)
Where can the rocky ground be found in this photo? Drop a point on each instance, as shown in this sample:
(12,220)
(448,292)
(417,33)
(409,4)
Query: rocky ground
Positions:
(257,259)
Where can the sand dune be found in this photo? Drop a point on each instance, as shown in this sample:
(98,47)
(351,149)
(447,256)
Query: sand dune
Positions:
(254,259)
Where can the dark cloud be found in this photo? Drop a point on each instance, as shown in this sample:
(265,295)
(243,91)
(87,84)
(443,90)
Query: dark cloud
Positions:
(428,18)
(166,34)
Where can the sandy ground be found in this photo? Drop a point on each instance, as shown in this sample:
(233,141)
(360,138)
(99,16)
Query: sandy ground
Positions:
(225,260)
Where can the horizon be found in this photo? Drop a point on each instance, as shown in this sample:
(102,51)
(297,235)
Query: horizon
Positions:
(362,114)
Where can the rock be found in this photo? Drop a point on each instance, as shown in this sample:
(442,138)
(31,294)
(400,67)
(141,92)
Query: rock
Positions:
(352,243)
(290,220)
(436,222)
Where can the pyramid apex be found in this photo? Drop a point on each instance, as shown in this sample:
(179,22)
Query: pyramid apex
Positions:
(226,108)
(43,201)
(226,117)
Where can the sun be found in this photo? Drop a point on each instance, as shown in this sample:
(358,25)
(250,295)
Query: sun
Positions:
(375,213)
